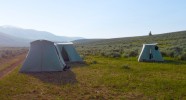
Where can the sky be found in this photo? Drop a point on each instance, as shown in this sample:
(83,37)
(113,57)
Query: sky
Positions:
(95,18)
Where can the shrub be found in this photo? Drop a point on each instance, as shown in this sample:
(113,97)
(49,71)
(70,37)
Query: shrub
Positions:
(94,62)
(182,57)
(170,54)
(116,55)
(106,54)
(125,55)
(163,53)
(102,54)
(3,55)
(125,67)
(133,53)
(82,57)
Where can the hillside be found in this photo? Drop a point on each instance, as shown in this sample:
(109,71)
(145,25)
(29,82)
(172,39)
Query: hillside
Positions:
(11,41)
(86,41)
(171,44)
(31,34)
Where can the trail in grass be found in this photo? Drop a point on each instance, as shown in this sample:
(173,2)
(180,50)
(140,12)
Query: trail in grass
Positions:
(9,65)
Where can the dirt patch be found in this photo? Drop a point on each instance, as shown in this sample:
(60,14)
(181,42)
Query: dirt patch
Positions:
(12,66)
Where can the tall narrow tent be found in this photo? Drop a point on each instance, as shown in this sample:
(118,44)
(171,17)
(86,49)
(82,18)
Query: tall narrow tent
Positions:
(68,52)
(150,52)
(45,56)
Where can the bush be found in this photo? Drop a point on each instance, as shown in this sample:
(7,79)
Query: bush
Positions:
(125,55)
(106,54)
(182,57)
(102,54)
(133,53)
(3,55)
(163,53)
(170,54)
(82,57)
(125,67)
(94,62)
(116,55)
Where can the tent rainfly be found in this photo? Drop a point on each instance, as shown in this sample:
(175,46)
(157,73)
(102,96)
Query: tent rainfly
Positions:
(150,52)
(49,56)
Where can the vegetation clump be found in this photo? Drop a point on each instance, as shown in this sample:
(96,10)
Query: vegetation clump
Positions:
(126,67)
(182,57)
(94,62)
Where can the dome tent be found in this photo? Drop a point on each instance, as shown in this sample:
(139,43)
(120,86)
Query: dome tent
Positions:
(44,56)
(150,52)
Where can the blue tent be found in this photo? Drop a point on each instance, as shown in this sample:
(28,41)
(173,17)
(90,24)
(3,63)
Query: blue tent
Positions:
(150,52)
(49,56)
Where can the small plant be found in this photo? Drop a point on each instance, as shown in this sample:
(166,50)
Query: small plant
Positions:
(124,55)
(116,55)
(182,57)
(164,53)
(126,67)
(82,57)
(133,53)
(94,62)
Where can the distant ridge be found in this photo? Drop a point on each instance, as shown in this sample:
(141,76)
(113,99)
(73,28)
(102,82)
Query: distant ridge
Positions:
(153,38)
(11,41)
(19,37)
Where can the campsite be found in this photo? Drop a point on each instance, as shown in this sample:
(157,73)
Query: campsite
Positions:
(101,77)
(92,50)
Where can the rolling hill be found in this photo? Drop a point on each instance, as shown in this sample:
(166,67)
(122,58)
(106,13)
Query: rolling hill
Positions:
(153,38)
(171,44)
(20,34)
(11,41)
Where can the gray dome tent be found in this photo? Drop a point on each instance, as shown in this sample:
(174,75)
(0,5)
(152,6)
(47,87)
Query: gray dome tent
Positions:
(48,56)
(150,52)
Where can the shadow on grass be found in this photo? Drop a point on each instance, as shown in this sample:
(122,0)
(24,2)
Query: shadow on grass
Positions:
(77,64)
(58,78)
(175,62)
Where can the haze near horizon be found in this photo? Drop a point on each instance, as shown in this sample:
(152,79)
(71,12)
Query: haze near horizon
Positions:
(95,19)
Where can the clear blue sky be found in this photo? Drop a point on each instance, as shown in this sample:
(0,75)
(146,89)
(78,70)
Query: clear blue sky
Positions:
(96,18)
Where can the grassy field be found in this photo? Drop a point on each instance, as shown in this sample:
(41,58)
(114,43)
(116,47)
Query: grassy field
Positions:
(101,78)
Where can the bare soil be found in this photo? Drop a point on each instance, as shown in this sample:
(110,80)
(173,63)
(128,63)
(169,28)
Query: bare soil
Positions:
(12,66)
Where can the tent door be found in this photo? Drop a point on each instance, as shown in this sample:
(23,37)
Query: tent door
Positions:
(150,54)
(64,54)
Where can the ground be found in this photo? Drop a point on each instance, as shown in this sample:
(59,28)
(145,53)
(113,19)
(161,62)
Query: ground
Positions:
(7,65)
(100,78)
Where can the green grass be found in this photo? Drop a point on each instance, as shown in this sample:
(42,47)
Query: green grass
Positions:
(101,78)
